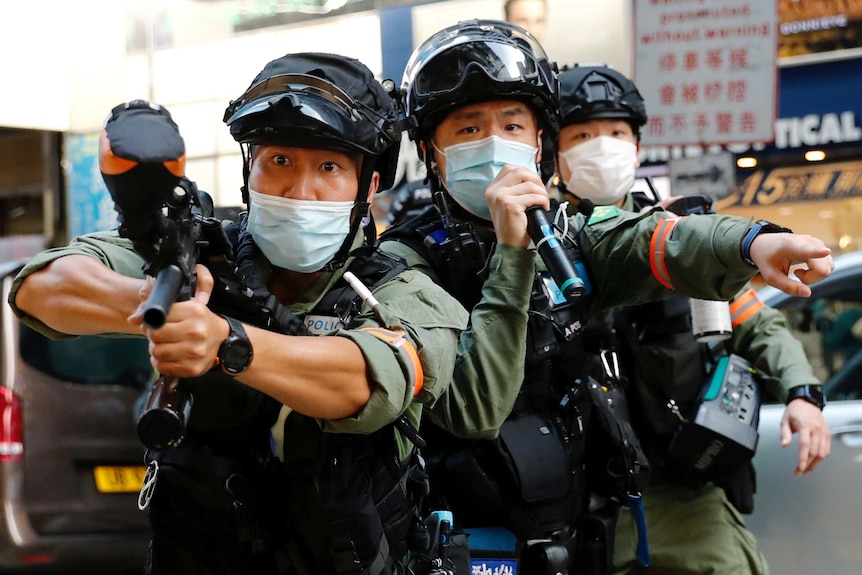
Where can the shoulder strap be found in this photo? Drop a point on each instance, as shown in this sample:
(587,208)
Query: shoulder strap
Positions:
(373,268)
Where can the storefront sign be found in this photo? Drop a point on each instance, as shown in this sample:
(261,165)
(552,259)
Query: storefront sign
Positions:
(816,130)
(818,26)
(707,70)
(793,184)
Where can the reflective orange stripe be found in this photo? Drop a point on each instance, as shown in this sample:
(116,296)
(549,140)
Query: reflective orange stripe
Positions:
(397,340)
(656,248)
(744,306)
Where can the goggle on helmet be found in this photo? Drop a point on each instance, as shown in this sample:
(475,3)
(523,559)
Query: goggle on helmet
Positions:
(320,100)
(476,61)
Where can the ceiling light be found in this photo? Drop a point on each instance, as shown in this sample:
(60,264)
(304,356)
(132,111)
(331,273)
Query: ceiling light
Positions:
(746,162)
(815,155)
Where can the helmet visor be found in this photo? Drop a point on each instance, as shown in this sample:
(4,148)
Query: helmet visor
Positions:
(312,110)
(446,70)
(264,95)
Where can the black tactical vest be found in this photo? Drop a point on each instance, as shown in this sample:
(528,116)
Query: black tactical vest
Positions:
(532,479)
(340,503)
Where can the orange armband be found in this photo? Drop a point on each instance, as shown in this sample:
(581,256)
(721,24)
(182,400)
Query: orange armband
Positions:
(396,339)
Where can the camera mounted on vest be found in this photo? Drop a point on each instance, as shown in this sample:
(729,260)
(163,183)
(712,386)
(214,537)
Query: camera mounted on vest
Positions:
(720,436)
(477,61)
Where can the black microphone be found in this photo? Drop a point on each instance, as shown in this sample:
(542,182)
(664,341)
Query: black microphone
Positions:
(553,253)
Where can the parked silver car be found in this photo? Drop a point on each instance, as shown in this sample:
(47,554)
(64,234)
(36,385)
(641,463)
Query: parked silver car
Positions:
(810,525)
(70,460)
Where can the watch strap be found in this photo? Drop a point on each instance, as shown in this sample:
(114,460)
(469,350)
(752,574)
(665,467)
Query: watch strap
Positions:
(757,228)
(813,394)
(236,328)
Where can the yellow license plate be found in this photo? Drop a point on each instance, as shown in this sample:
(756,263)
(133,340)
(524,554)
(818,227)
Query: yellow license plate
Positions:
(116,479)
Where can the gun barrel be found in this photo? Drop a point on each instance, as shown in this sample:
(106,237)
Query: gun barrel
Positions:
(163,422)
(169,280)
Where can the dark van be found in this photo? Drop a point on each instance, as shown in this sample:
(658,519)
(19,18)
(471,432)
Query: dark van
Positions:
(71,465)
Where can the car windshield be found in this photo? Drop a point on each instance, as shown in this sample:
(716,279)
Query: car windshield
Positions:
(89,360)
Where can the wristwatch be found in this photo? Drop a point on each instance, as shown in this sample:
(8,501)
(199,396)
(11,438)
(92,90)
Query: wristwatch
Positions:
(757,228)
(235,353)
(811,393)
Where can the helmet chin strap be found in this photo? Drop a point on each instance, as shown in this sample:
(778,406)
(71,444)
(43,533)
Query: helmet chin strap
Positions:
(361,209)
(246,170)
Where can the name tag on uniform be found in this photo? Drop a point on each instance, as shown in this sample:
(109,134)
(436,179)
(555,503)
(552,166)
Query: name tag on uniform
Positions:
(322,324)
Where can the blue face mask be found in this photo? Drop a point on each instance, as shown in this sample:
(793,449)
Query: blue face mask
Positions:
(297,235)
(472,166)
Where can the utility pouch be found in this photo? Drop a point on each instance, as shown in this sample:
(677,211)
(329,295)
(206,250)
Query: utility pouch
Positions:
(522,480)
(617,466)
(533,448)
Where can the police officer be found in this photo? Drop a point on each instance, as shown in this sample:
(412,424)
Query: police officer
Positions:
(319,138)
(481,96)
(691,528)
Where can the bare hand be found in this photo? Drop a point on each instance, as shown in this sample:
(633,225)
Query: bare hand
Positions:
(775,254)
(815,438)
(186,346)
(510,195)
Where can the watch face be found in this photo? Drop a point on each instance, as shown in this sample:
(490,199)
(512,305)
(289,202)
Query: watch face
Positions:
(235,355)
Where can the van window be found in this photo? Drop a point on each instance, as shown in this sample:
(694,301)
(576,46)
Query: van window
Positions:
(89,359)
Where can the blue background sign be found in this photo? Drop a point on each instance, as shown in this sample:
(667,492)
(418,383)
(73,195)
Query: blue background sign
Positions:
(88,204)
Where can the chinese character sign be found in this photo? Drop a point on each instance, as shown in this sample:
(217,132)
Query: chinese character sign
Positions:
(707,70)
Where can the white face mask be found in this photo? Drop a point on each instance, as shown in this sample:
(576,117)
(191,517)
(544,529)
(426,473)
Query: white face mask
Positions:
(602,169)
(297,235)
(472,166)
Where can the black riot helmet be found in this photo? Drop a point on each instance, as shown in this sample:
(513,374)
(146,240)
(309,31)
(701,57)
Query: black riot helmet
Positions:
(326,101)
(595,92)
(321,101)
(476,61)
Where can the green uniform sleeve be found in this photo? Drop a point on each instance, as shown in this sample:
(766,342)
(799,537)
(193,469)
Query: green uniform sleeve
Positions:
(490,365)
(431,321)
(626,255)
(107,247)
(765,340)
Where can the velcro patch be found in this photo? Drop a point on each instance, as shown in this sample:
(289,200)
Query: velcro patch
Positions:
(603,213)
